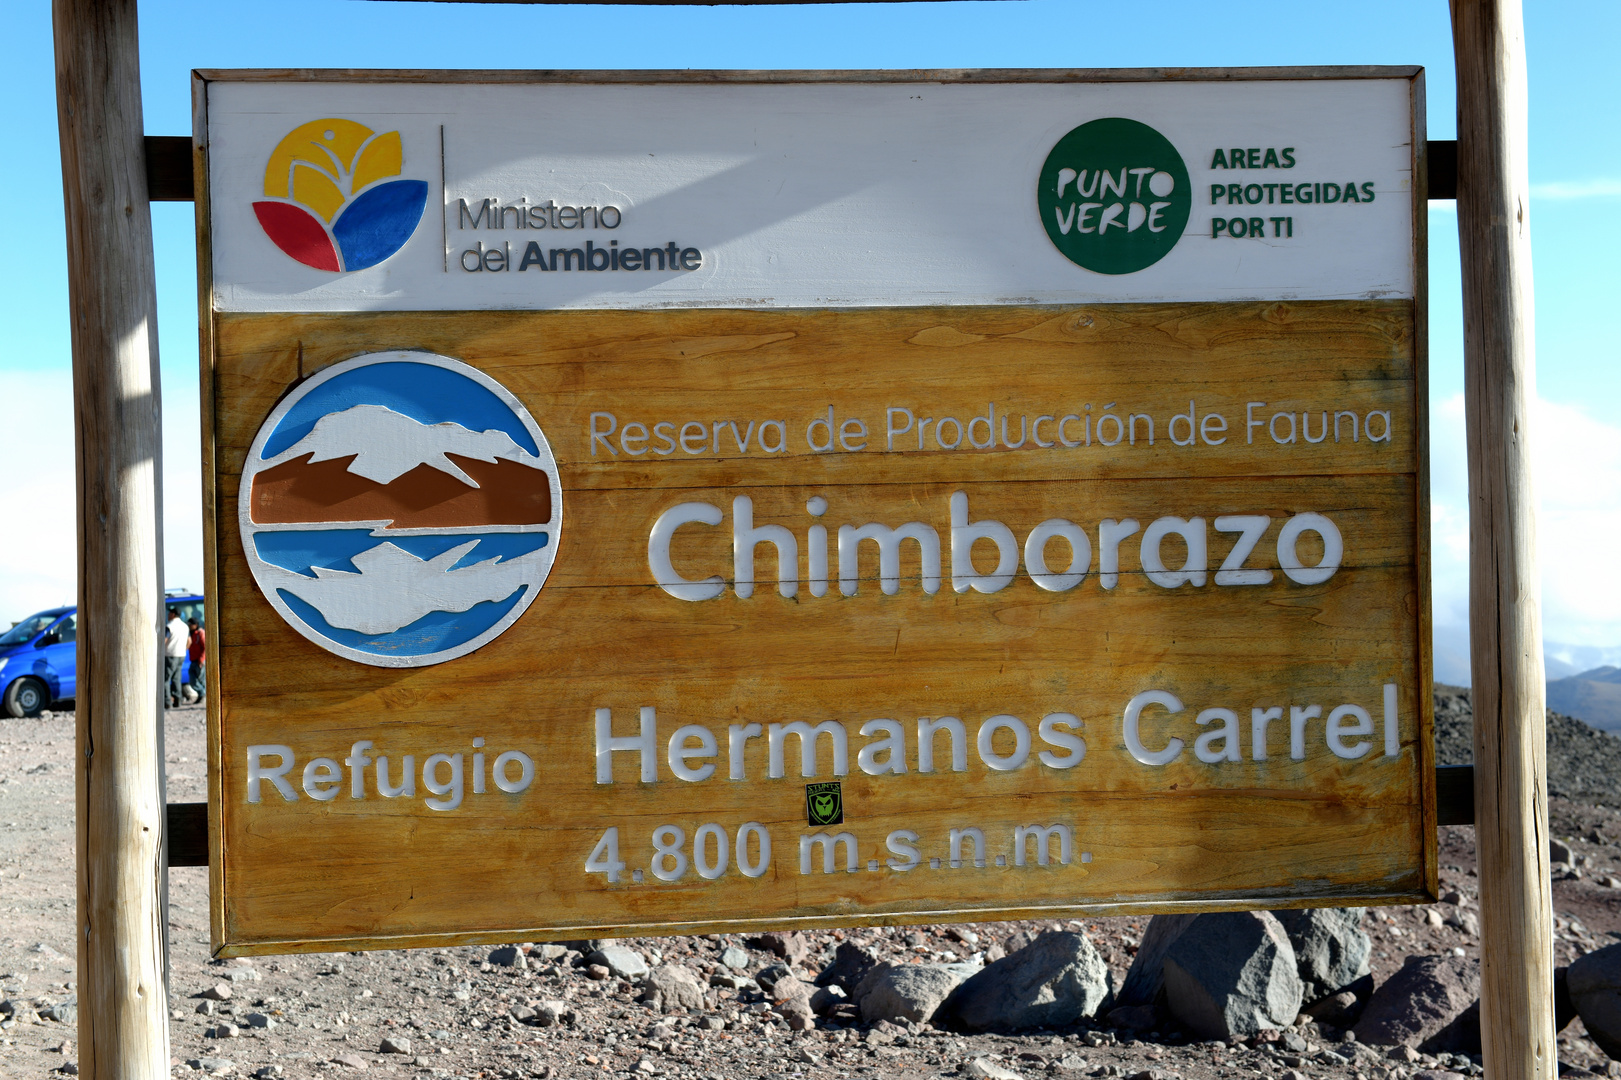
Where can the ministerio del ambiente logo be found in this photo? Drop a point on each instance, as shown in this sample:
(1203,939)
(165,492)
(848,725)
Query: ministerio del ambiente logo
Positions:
(1114,196)
(333,197)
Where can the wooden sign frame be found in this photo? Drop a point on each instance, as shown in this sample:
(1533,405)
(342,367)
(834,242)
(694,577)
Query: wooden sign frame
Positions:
(121,817)
(268,343)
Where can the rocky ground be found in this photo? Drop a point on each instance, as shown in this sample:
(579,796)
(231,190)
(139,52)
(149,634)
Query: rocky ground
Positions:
(720,1006)
(1583,763)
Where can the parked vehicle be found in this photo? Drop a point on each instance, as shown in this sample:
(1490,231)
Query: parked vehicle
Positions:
(39,656)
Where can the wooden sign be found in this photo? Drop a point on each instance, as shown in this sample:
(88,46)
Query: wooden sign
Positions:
(653,503)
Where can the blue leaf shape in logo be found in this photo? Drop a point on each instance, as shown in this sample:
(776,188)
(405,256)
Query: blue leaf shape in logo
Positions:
(379,222)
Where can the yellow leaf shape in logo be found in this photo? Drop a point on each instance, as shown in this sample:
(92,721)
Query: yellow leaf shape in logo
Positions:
(329,145)
(379,159)
(316,191)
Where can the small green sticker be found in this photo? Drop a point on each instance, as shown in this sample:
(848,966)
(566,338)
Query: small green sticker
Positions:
(1114,196)
(824,803)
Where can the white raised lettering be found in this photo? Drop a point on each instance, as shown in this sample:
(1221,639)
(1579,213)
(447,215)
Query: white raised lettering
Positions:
(1134,742)
(658,552)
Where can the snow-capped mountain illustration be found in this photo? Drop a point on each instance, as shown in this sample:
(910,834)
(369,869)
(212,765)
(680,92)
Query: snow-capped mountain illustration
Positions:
(386,445)
(395,588)
(400,508)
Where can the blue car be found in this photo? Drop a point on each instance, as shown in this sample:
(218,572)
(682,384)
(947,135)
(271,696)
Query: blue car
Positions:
(39,656)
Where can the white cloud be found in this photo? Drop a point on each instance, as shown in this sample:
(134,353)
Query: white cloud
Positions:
(1579,529)
(182,485)
(1551,191)
(1578,478)
(1555,190)
(1449,540)
(38,545)
(1577,189)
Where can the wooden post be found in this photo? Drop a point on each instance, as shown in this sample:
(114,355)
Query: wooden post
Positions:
(123,1007)
(1511,807)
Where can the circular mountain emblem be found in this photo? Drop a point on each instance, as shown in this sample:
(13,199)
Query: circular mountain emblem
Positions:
(400,509)
(1114,196)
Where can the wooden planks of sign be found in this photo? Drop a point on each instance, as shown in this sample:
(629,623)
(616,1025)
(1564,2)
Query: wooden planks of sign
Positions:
(779,585)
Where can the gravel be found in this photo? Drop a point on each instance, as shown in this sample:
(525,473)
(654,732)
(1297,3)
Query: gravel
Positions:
(463,1017)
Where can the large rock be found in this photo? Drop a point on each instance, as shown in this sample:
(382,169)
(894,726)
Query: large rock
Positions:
(768,977)
(851,963)
(678,987)
(790,987)
(784,943)
(909,992)
(1343,1009)
(1426,1005)
(624,962)
(1146,976)
(1133,1017)
(1232,973)
(509,956)
(587,946)
(797,1011)
(1564,1010)
(827,998)
(1595,990)
(1331,950)
(1056,979)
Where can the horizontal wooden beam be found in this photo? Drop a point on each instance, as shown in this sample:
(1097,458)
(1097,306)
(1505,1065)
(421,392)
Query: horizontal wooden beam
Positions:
(169,175)
(691,3)
(188,833)
(803,76)
(188,822)
(1443,155)
(168,168)
(1455,795)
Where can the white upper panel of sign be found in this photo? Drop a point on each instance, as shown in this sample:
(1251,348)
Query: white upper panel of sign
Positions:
(354,196)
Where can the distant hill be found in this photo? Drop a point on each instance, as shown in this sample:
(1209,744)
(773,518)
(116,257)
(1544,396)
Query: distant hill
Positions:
(1593,696)
(1582,763)
(1564,659)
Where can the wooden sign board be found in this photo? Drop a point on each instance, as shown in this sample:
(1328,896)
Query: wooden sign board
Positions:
(669,503)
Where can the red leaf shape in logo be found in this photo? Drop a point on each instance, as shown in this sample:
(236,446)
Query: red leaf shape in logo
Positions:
(298,234)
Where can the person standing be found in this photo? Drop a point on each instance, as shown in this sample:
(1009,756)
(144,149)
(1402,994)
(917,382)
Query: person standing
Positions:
(175,641)
(197,653)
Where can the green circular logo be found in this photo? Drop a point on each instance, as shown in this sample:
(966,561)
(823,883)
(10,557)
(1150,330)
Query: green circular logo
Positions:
(1114,196)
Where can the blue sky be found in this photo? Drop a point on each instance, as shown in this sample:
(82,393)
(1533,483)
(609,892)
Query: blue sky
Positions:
(1576,214)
